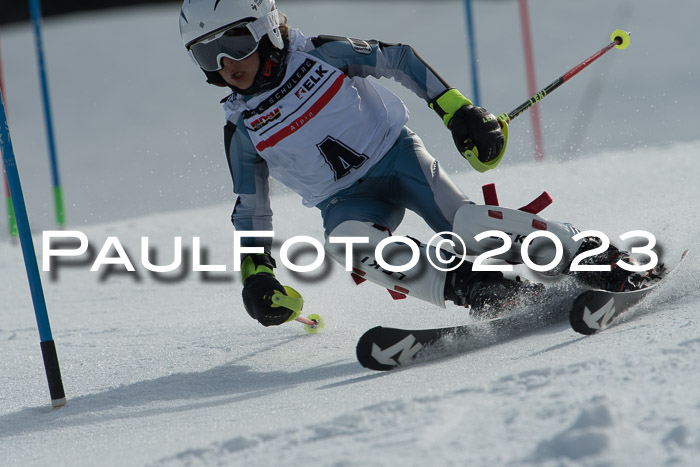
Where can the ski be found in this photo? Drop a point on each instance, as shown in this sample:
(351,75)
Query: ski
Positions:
(595,310)
(385,348)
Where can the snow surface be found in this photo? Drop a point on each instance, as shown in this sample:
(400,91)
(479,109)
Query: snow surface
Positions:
(163,370)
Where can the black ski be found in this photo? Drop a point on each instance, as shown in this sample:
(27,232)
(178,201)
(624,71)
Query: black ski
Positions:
(595,310)
(384,348)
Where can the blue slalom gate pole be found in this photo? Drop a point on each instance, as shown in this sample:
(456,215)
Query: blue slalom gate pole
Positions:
(476,99)
(48,348)
(35,9)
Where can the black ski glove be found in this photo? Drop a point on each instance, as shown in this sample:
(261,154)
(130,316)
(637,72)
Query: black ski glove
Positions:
(261,290)
(476,131)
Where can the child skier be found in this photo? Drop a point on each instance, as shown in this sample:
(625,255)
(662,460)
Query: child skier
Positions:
(303,111)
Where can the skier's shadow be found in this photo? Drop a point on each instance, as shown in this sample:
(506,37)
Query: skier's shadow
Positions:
(223,385)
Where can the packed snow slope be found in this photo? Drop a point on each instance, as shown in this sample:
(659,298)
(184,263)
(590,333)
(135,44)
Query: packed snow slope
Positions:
(176,373)
(168,369)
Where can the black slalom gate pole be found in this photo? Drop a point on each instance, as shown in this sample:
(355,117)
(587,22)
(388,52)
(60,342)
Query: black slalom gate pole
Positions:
(620,39)
(48,348)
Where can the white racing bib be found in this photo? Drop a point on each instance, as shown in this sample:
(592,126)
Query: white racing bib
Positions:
(320,131)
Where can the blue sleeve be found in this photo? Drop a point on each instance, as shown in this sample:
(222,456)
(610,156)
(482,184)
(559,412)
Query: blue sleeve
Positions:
(381,60)
(250,182)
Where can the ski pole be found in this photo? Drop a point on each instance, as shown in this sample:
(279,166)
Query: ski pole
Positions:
(620,39)
(303,320)
(294,301)
(312,323)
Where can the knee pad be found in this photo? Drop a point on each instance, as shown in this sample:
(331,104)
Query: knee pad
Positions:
(421,281)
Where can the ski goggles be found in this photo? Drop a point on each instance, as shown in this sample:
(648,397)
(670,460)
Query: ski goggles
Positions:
(236,42)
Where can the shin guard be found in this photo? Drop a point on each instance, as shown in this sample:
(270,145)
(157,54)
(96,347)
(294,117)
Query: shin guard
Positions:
(421,281)
(472,220)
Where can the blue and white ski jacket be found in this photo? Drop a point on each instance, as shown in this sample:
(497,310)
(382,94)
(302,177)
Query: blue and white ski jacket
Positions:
(324,127)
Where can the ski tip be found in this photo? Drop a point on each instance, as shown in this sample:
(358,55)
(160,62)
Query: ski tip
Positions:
(577,315)
(366,345)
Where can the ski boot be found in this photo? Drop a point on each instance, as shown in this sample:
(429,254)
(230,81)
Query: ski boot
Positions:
(617,279)
(488,294)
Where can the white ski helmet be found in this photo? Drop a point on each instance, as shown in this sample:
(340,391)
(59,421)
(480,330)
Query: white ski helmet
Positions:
(207,19)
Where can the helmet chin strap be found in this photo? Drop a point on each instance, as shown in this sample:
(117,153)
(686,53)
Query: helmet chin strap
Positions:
(270,71)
